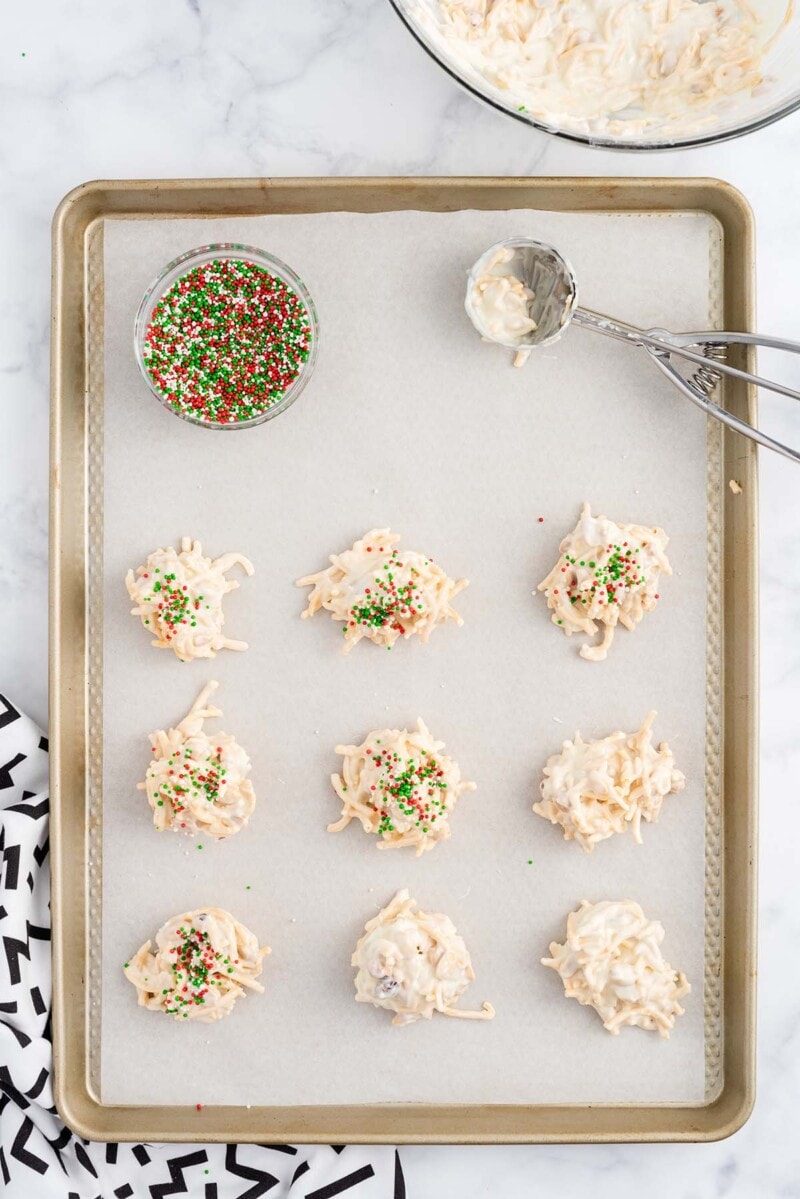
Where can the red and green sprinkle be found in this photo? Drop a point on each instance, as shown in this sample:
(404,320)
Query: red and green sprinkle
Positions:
(174,605)
(226,341)
(197,967)
(620,572)
(388,602)
(187,776)
(415,787)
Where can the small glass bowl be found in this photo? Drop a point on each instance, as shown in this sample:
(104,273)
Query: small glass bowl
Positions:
(187,262)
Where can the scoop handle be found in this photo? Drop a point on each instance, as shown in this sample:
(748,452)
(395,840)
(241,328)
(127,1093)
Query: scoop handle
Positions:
(680,343)
(662,361)
(661,345)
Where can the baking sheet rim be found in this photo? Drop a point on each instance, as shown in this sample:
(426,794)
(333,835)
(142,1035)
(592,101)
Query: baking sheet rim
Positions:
(419,1122)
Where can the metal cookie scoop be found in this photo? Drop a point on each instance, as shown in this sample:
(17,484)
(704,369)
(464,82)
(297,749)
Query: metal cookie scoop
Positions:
(555,305)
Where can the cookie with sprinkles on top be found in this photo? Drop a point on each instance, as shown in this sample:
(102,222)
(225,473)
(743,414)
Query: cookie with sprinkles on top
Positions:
(203,961)
(179,599)
(197,782)
(607,574)
(401,786)
(382,593)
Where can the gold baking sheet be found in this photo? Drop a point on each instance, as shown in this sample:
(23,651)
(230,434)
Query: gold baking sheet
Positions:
(77,221)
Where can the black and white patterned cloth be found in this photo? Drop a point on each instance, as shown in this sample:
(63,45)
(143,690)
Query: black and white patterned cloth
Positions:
(39,1157)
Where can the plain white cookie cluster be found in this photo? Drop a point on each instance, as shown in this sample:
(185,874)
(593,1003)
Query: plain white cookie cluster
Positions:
(594,789)
(612,961)
(414,964)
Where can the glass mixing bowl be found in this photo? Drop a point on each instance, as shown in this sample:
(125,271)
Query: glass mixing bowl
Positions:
(779,95)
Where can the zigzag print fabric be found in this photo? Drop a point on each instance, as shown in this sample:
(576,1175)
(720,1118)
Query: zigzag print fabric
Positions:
(39,1157)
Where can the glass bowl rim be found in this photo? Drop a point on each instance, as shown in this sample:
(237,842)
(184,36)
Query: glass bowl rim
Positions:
(181,265)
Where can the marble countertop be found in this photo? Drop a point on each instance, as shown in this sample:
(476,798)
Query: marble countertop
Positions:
(336,87)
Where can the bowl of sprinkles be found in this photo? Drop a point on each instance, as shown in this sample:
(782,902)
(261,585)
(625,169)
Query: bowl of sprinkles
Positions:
(226,336)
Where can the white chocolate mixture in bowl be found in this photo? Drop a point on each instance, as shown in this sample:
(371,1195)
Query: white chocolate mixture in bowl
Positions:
(637,73)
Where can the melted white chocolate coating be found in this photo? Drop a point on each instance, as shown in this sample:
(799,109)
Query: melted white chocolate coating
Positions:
(594,789)
(612,961)
(501,304)
(414,964)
